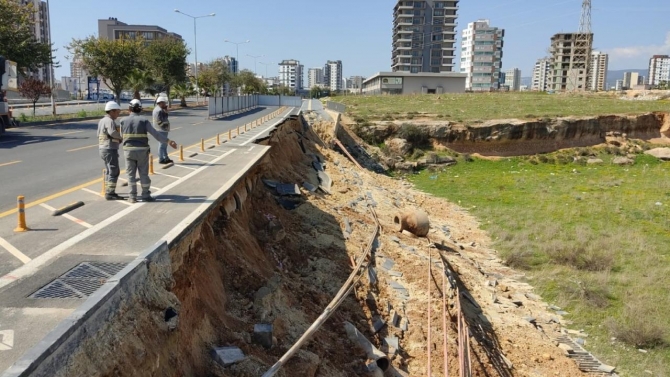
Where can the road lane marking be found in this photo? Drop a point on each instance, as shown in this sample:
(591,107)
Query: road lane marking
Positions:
(152,187)
(67,133)
(185,167)
(195,159)
(68,216)
(176,128)
(210,155)
(168,175)
(10,163)
(14,251)
(37,263)
(78,149)
(98,194)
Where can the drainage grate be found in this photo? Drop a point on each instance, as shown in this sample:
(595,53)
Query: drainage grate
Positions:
(79,282)
(586,362)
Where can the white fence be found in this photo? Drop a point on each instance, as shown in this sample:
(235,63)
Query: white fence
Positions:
(221,106)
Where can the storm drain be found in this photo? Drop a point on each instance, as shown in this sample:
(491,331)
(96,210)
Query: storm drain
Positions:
(79,282)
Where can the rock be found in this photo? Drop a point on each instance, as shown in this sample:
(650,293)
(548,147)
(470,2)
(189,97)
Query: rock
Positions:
(439,131)
(378,132)
(228,355)
(606,368)
(547,357)
(580,341)
(660,153)
(622,161)
(641,350)
(530,319)
(399,146)
(594,161)
(406,166)
(304,363)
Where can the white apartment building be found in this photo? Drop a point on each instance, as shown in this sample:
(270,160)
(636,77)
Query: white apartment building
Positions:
(513,79)
(481,56)
(541,75)
(599,63)
(659,69)
(41,28)
(424,36)
(314,77)
(290,74)
(332,75)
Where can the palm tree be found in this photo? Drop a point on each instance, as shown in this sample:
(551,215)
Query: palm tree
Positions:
(140,81)
(182,91)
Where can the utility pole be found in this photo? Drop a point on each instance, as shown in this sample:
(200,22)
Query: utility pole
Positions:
(581,66)
(195,40)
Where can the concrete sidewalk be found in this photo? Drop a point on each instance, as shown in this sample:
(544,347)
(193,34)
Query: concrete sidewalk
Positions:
(75,254)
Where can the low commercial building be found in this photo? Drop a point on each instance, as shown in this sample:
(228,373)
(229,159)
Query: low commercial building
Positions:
(414,83)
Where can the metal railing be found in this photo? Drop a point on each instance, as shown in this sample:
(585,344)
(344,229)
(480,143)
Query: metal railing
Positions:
(335,106)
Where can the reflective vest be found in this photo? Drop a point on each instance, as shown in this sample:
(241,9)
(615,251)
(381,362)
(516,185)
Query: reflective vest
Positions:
(134,131)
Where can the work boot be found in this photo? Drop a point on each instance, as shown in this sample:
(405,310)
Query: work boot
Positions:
(132,199)
(168,161)
(113,196)
(148,199)
(163,162)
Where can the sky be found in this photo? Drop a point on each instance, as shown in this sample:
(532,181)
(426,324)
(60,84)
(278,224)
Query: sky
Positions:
(359,32)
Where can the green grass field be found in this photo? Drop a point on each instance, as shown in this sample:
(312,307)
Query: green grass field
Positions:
(484,106)
(593,240)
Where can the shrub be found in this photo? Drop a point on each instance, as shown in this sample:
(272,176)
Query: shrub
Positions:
(467,157)
(23,117)
(387,117)
(413,134)
(81,113)
(640,324)
(418,153)
(543,158)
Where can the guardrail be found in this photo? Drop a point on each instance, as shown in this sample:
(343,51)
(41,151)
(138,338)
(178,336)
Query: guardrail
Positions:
(335,106)
(221,106)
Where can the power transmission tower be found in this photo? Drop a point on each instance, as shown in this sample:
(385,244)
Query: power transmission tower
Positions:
(581,67)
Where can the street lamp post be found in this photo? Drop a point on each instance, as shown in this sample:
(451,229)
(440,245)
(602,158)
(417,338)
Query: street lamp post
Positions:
(51,65)
(255,57)
(237,52)
(266,68)
(195,38)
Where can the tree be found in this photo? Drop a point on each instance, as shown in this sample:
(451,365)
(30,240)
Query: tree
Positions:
(315,92)
(110,59)
(166,60)
(249,82)
(17,42)
(33,89)
(140,81)
(182,91)
(284,90)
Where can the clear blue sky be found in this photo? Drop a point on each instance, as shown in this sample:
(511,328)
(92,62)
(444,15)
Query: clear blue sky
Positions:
(358,32)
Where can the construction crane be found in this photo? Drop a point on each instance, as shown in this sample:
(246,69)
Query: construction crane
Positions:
(579,77)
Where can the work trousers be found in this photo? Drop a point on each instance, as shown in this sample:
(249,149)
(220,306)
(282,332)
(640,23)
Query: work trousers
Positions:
(137,161)
(112,171)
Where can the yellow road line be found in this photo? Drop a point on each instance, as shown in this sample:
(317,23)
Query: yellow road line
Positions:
(51,197)
(78,149)
(10,163)
(68,216)
(67,133)
(14,251)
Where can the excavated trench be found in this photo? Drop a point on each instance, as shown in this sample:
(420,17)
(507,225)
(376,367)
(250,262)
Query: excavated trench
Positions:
(280,260)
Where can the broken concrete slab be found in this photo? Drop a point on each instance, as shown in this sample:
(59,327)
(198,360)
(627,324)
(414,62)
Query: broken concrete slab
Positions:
(326,182)
(395,319)
(395,273)
(270,183)
(395,285)
(388,264)
(372,275)
(262,335)
(227,356)
(404,324)
(317,166)
(392,342)
(286,189)
(606,368)
(309,187)
(378,324)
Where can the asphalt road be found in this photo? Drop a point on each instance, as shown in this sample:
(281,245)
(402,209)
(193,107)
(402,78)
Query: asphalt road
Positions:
(40,161)
(70,107)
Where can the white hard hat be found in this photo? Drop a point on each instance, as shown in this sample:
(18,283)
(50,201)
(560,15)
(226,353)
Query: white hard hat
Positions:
(162,99)
(111,105)
(136,103)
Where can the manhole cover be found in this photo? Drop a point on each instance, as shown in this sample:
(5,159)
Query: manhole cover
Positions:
(79,282)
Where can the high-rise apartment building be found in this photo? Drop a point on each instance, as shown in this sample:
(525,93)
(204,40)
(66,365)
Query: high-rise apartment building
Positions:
(599,63)
(541,75)
(315,77)
(513,79)
(424,36)
(112,28)
(232,64)
(659,69)
(631,79)
(568,69)
(290,74)
(41,28)
(332,75)
(481,56)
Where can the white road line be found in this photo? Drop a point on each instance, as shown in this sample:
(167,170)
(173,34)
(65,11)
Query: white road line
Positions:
(185,167)
(67,133)
(33,267)
(14,251)
(91,191)
(210,155)
(167,175)
(68,216)
(152,187)
(195,159)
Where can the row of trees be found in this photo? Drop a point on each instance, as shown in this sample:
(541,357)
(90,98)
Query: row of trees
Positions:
(17,42)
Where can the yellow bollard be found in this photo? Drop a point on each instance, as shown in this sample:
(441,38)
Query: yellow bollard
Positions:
(218,140)
(238,131)
(103,191)
(21,224)
(245,127)
(181,153)
(230,134)
(151,165)
(202,145)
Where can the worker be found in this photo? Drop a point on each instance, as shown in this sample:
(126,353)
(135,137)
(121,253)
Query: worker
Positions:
(136,129)
(109,139)
(162,124)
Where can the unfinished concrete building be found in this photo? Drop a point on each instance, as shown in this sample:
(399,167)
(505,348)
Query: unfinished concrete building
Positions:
(570,57)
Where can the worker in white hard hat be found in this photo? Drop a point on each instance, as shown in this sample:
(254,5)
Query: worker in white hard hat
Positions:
(109,139)
(136,129)
(162,124)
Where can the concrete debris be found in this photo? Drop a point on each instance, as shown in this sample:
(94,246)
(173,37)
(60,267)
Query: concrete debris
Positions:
(317,166)
(377,324)
(262,335)
(392,342)
(309,187)
(404,324)
(562,312)
(372,275)
(532,296)
(388,264)
(347,228)
(227,356)
(606,368)
(580,341)
(395,274)
(395,285)
(270,183)
(394,239)
(530,319)
(395,319)
(326,182)
(287,189)
(288,204)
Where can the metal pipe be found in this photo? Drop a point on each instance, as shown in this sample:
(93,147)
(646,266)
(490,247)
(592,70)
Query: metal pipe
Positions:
(371,351)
